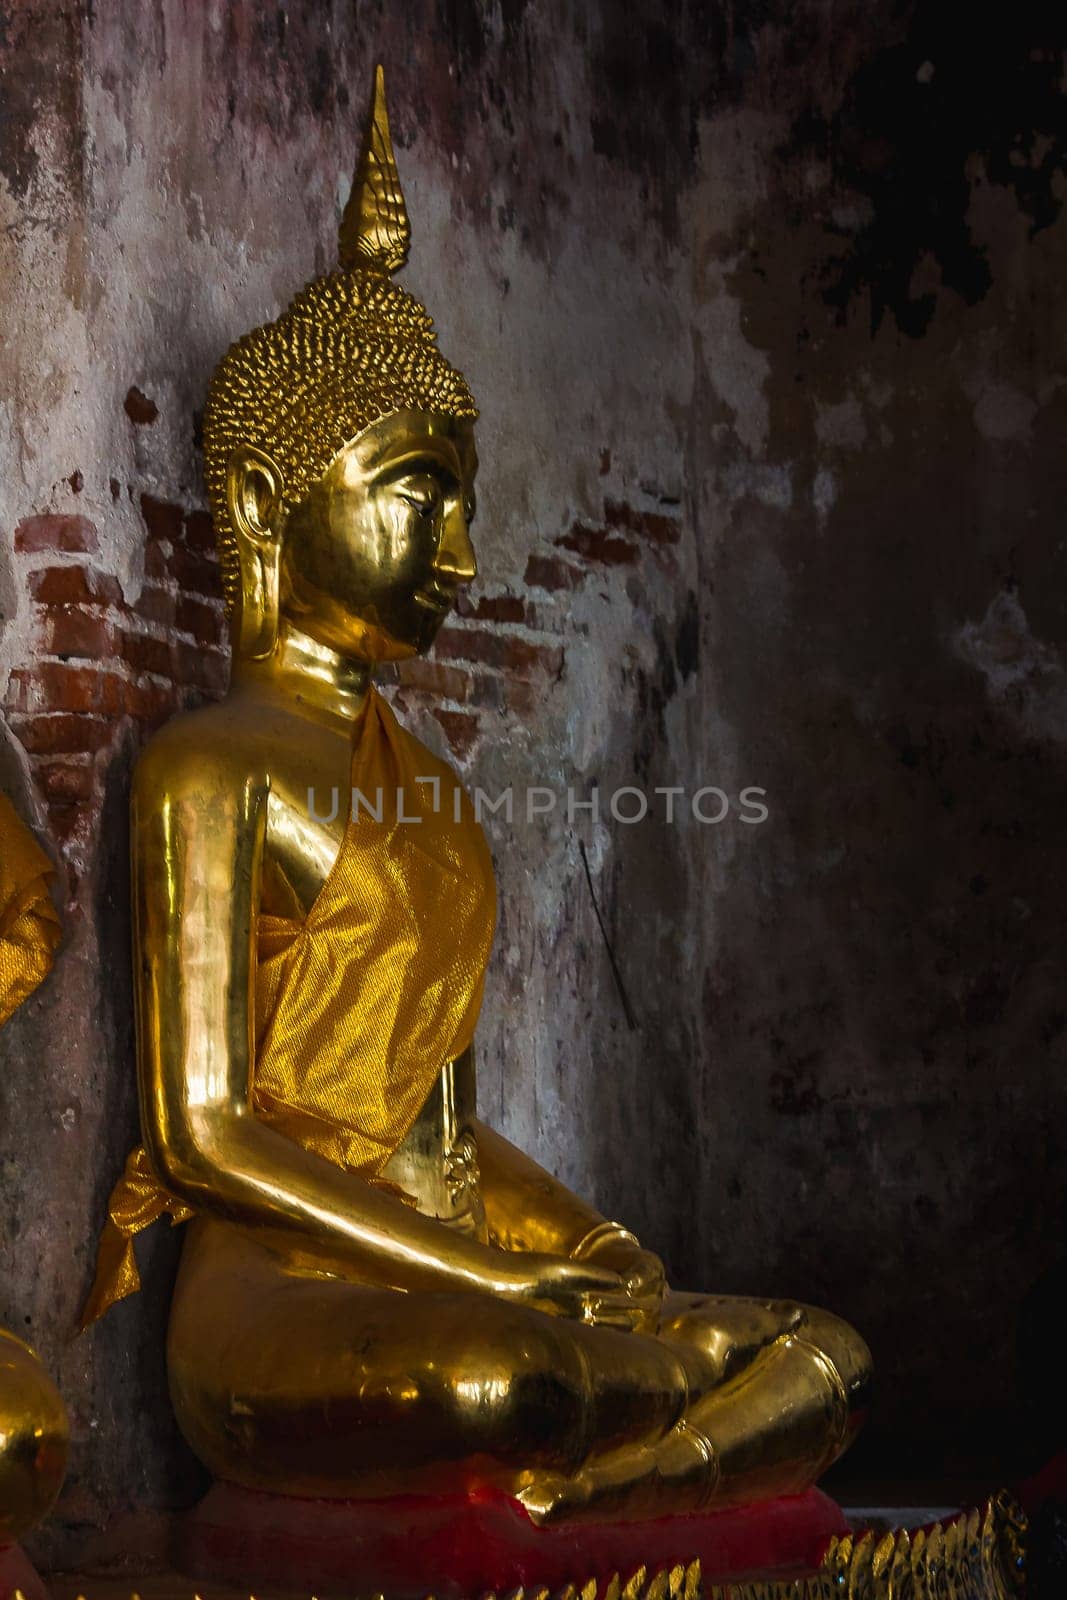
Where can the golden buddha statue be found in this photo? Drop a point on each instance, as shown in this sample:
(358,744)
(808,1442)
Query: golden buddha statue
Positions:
(34,1430)
(378,1294)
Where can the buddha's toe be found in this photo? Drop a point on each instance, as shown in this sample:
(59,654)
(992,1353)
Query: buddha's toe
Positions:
(34,1436)
(847,1353)
(679,1473)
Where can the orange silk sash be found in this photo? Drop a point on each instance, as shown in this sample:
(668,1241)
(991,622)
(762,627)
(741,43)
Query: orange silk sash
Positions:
(29,922)
(357,1008)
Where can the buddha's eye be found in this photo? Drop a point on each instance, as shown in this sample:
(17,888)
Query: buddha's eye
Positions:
(421,490)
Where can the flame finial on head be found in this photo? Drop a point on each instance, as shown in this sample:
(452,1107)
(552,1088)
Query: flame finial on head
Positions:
(375,231)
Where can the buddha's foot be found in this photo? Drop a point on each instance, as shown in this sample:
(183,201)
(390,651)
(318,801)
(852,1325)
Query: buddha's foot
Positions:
(771,1431)
(679,1474)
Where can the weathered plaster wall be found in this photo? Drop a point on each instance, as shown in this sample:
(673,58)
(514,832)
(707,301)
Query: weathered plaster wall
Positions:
(878,473)
(760,304)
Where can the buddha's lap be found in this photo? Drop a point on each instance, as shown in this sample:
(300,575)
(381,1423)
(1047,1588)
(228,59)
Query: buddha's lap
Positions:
(255,1337)
(296,1356)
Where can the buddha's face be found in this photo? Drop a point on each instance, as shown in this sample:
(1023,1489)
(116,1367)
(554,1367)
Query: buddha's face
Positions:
(373,558)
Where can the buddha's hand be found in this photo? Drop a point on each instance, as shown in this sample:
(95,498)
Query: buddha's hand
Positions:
(564,1288)
(614,1247)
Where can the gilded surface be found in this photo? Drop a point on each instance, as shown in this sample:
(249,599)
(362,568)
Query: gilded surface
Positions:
(378,1294)
(34,1431)
(29,923)
(352,348)
(34,1439)
(348,1051)
(979,1555)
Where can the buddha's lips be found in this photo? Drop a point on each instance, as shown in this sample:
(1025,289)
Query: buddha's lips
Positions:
(436,599)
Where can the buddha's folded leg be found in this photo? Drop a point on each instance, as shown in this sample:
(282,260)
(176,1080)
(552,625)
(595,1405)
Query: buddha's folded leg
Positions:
(288,1380)
(777,1394)
(730,1331)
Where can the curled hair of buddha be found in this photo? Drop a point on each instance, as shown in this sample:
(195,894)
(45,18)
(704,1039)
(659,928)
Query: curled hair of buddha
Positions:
(351,348)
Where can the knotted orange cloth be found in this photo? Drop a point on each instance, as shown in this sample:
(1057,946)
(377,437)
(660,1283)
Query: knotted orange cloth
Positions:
(29,923)
(359,1007)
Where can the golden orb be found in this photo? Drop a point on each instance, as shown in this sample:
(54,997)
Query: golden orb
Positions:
(34,1439)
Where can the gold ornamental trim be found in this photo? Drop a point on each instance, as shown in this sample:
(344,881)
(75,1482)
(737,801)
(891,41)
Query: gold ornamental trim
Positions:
(979,1555)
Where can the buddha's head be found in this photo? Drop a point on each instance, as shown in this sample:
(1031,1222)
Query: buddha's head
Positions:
(339,450)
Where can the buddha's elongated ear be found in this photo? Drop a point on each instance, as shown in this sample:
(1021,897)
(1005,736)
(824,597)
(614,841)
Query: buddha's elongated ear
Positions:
(254,500)
(254,485)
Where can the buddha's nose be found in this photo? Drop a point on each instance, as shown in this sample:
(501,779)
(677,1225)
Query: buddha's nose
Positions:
(455,558)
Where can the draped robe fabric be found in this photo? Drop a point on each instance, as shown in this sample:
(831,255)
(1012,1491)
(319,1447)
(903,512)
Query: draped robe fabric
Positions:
(358,1007)
(29,923)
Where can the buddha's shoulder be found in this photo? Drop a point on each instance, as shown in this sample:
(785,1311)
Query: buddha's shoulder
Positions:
(212,748)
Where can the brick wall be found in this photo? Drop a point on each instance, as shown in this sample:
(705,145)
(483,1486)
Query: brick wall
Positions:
(505,647)
(103,662)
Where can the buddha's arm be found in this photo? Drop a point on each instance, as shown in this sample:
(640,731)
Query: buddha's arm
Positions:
(198,837)
(526,1208)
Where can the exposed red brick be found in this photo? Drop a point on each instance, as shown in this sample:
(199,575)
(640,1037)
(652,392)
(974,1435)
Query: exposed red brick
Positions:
(521,697)
(205,669)
(17,693)
(57,686)
(542,617)
(156,604)
(84,635)
(65,819)
(65,780)
(434,677)
(150,703)
(488,691)
(139,408)
(200,618)
(74,586)
(200,530)
(155,562)
(195,571)
(215,672)
(549,572)
(597,544)
(146,654)
(504,650)
(162,518)
(649,525)
(62,733)
(461,729)
(115,693)
(55,532)
(493,608)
